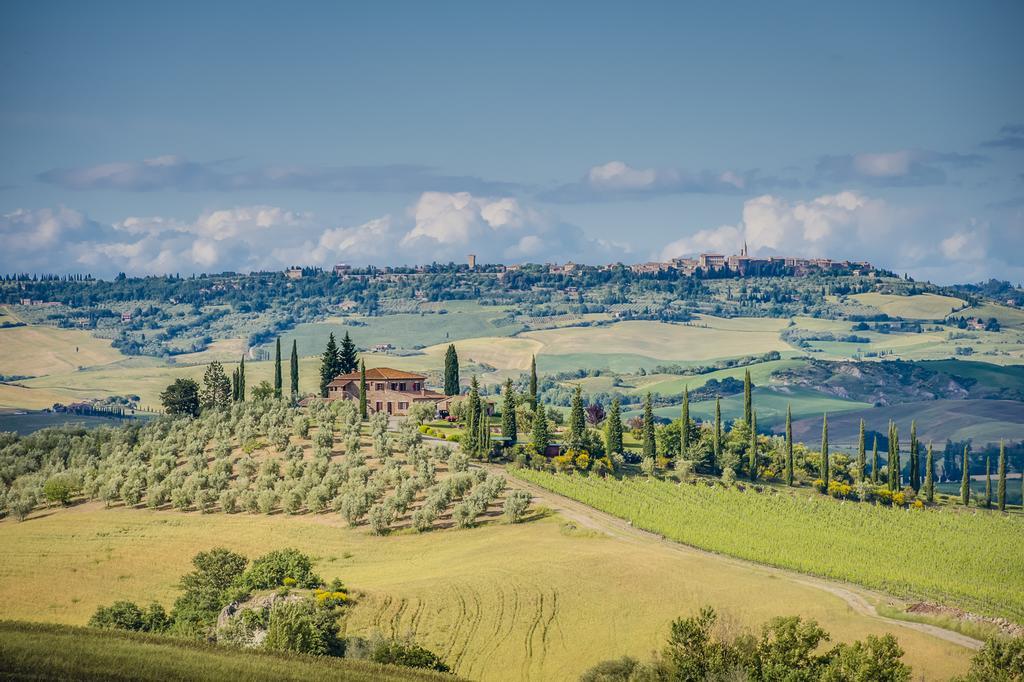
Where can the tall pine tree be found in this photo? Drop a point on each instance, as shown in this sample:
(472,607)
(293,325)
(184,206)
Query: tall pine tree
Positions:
(789,445)
(1001,485)
(915,468)
(649,446)
(861,454)
(330,364)
(825,473)
(717,442)
(965,482)
(241,379)
(752,453)
(684,426)
(277,369)
(613,429)
(748,398)
(874,462)
(988,482)
(577,421)
(473,417)
(348,361)
(508,414)
(294,373)
(451,371)
(540,436)
(929,476)
(894,457)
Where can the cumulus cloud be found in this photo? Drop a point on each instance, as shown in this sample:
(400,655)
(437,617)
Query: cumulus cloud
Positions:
(1010,137)
(181,174)
(617,180)
(901,168)
(851,225)
(439,226)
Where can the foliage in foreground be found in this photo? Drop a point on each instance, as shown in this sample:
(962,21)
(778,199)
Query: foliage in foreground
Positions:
(699,649)
(46,651)
(970,559)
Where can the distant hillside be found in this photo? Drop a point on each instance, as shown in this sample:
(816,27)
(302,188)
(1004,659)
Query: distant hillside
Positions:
(35,651)
(897,381)
(981,421)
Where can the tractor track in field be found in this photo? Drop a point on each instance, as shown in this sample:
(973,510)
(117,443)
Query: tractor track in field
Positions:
(594,519)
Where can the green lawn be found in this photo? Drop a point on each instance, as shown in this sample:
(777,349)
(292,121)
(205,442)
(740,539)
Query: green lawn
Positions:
(968,559)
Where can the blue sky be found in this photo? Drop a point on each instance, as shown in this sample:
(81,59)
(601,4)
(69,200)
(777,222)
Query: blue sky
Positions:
(188,137)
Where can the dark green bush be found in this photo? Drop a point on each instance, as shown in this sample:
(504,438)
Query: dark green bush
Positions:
(270,570)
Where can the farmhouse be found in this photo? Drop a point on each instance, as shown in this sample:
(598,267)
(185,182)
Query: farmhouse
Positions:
(391,391)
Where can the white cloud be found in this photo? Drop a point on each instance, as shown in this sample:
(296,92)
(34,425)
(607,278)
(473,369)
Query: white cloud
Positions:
(439,226)
(852,225)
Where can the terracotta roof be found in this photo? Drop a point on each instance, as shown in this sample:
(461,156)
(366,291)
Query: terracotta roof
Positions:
(380,374)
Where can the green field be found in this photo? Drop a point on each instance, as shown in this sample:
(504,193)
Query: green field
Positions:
(37,350)
(539,600)
(966,559)
(35,651)
(918,306)
(463,320)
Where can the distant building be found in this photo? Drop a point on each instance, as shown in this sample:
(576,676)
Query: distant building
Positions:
(471,259)
(390,391)
(382,348)
(711,261)
(126,317)
(293,273)
(342,269)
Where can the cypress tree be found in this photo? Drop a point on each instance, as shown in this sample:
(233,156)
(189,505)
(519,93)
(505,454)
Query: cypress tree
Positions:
(234,385)
(348,362)
(1001,485)
(718,432)
(277,369)
(577,421)
(861,455)
(533,382)
(988,482)
(824,451)
(451,371)
(789,444)
(613,429)
(684,426)
(649,447)
(929,476)
(295,368)
(748,399)
(508,414)
(363,411)
(539,434)
(965,482)
(473,417)
(752,454)
(874,462)
(894,458)
(915,469)
(241,379)
(330,364)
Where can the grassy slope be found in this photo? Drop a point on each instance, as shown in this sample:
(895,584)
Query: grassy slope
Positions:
(501,602)
(919,306)
(33,651)
(38,350)
(943,555)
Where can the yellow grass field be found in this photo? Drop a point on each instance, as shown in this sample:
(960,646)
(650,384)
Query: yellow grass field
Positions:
(663,341)
(535,601)
(919,306)
(37,350)
(498,352)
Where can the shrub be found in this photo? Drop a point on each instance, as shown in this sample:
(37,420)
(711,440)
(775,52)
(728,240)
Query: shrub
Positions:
(121,615)
(380,518)
(516,503)
(303,627)
(272,569)
(59,488)
(408,654)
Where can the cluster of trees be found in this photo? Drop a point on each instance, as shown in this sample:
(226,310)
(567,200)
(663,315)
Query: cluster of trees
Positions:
(336,361)
(136,465)
(275,603)
(787,648)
